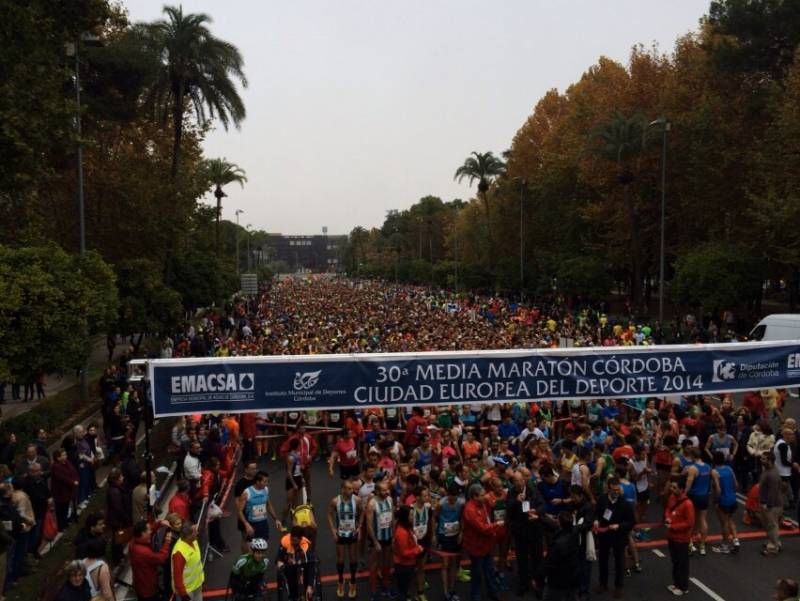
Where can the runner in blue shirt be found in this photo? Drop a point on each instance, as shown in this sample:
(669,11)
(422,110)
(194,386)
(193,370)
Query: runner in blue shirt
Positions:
(724,483)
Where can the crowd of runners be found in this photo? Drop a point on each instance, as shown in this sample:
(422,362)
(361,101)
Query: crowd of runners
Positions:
(522,497)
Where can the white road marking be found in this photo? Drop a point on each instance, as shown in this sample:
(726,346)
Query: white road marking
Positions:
(658,553)
(706,590)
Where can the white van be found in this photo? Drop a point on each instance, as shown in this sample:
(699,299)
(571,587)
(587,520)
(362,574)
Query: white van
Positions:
(780,326)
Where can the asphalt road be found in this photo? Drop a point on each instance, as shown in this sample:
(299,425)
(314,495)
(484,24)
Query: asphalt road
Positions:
(745,576)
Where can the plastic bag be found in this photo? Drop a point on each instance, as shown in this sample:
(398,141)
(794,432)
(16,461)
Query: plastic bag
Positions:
(591,551)
(49,526)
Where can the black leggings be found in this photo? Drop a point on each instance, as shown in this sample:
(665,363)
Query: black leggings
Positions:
(404,575)
(679,554)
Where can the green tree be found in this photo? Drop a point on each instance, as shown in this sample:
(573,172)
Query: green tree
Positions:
(48,298)
(147,305)
(484,168)
(197,69)
(221,173)
(716,277)
(620,140)
(584,276)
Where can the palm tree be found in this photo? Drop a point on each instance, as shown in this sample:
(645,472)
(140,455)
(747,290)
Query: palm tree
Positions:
(485,168)
(195,69)
(621,139)
(221,173)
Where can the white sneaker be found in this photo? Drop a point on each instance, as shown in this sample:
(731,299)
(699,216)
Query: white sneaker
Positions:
(675,590)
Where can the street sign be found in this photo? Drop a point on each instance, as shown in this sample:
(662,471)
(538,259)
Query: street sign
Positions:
(250,283)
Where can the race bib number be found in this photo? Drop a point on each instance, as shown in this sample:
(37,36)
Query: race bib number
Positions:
(351,454)
(420,530)
(607,515)
(385,520)
(526,506)
(499,516)
(451,528)
(347,527)
(258,511)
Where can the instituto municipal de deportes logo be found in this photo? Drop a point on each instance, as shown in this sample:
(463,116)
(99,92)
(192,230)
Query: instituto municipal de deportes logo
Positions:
(723,370)
(306,380)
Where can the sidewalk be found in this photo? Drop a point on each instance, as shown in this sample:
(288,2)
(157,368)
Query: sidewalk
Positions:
(55,383)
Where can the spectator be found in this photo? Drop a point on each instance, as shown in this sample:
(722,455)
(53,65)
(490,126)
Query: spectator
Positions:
(10,515)
(38,492)
(406,550)
(139,497)
(22,538)
(613,523)
(85,464)
(562,561)
(118,512)
(93,529)
(771,503)
(98,572)
(180,503)
(63,485)
(41,442)
(145,561)
(192,468)
(76,588)
(478,541)
(679,518)
(32,456)
(187,566)
(786,589)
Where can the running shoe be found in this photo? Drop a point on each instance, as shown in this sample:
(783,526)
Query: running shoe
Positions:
(463,575)
(352,589)
(422,597)
(340,590)
(703,549)
(692,549)
(675,590)
(721,548)
(637,567)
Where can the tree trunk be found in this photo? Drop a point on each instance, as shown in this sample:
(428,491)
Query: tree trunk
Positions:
(489,232)
(177,124)
(636,252)
(218,194)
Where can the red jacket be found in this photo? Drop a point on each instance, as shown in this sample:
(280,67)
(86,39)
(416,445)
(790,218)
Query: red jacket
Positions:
(209,484)
(63,477)
(144,566)
(181,505)
(405,546)
(479,532)
(248,425)
(680,512)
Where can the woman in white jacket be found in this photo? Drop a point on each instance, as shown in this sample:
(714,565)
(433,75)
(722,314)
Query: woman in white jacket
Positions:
(761,440)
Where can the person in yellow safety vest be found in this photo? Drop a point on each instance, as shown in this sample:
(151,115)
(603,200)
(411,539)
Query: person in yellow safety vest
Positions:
(187,566)
(296,561)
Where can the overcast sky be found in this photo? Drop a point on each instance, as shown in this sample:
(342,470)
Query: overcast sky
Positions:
(355,107)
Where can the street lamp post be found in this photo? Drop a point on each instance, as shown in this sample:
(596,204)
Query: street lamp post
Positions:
(665,124)
(522,185)
(247,229)
(238,212)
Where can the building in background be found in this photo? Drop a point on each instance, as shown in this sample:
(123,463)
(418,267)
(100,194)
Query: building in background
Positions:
(316,253)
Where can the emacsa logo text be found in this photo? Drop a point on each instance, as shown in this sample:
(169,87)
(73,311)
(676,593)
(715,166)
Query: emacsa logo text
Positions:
(225,382)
